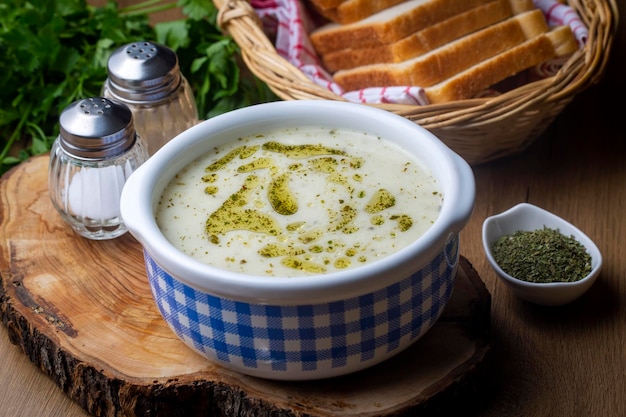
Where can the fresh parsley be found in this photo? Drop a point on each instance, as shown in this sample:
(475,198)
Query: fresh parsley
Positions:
(55,52)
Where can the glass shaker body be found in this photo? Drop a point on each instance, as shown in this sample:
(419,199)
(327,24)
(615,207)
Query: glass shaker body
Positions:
(89,164)
(146,77)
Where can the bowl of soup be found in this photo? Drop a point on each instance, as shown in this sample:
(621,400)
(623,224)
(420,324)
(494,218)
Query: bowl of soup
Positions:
(301,240)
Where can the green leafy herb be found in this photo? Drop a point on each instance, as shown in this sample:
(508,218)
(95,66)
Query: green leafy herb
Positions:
(55,52)
(543,255)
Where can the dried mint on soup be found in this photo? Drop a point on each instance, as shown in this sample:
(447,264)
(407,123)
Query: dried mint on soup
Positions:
(542,255)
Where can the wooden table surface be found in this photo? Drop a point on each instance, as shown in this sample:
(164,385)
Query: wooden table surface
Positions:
(563,361)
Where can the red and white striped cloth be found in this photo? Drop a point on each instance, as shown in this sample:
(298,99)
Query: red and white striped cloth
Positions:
(558,14)
(290,23)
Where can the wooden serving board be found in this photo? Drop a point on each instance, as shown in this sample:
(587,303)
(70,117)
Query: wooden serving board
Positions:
(83,313)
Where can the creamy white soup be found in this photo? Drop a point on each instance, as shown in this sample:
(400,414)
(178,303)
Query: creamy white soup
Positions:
(300,201)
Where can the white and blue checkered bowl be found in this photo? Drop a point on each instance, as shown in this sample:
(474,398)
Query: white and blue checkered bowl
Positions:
(308,327)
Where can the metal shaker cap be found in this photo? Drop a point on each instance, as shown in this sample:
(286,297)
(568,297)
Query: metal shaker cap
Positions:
(143,72)
(96,128)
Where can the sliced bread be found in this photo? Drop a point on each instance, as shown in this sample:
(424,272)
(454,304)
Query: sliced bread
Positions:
(466,84)
(388,25)
(350,11)
(325,4)
(449,59)
(428,38)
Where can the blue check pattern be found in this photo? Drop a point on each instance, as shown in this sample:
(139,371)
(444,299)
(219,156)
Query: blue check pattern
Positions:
(304,338)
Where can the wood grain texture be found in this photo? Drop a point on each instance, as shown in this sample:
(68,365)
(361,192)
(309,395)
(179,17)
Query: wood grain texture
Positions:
(570,360)
(82,311)
(567,361)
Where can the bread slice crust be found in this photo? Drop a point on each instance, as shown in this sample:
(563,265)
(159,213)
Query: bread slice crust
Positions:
(467,84)
(351,11)
(427,39)
(389,25)
(444,62)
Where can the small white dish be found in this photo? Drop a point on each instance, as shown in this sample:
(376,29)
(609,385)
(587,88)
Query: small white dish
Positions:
(527,217)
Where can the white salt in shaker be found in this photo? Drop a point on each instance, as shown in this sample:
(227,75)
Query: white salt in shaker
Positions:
(96,151)
(146,77)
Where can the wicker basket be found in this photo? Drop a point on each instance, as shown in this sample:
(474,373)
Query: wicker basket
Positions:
(479,130)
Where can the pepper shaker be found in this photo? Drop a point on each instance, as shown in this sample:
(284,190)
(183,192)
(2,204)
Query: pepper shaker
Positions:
(96,151)
(146,77)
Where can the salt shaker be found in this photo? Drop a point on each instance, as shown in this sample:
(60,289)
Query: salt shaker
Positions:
(146,77)
(96,151)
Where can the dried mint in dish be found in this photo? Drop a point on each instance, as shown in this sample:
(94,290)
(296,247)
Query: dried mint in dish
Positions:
(542,255)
